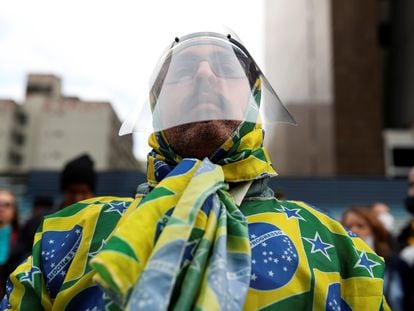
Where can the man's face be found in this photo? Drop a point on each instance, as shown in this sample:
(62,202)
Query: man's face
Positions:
(204,97)
(76,192)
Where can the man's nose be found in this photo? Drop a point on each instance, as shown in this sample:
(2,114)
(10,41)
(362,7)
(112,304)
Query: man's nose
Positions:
(205,72)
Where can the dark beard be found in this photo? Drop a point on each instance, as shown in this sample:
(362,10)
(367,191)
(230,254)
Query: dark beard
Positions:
(200,139)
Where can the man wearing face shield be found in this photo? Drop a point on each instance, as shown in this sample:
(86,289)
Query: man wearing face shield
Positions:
(205,232)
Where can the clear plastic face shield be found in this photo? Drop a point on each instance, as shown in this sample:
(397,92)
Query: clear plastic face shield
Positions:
(202,77)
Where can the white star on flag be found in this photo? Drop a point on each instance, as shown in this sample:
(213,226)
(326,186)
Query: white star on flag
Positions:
(319,246)
(366,263)
(294,212)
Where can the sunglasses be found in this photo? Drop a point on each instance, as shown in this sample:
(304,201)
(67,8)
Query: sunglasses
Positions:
(223,65)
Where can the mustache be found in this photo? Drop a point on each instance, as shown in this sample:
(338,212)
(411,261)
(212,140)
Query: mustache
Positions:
(206,94)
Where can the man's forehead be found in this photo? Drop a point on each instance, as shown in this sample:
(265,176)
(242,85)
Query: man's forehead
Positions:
(204,49)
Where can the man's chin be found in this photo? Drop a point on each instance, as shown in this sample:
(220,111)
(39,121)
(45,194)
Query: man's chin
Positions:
(200,139)
(209,125)
(209,128)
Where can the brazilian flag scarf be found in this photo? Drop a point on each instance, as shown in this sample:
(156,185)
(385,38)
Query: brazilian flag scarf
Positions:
(186,245)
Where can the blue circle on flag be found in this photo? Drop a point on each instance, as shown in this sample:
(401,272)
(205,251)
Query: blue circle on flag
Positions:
(88,299)
(274,257)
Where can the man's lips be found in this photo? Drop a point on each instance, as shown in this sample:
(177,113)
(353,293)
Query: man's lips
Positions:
(206,111)
(197,107)
(207,106)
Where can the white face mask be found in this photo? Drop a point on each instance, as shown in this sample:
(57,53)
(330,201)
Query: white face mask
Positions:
(387,220)
(369,240)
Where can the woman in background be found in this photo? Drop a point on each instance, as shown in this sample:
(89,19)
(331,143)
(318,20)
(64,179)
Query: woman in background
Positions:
(397,277)
(10,250)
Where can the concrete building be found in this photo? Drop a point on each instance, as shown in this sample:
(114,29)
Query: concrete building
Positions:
(306,149)
(48,129)
(358,83)
(11,120)
(345,70)
(298,63)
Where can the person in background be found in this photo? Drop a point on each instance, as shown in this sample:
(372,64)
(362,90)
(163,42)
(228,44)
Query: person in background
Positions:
(398,286)
(382,212)
(406,237)
(42,206)
(10,252)
(77,180)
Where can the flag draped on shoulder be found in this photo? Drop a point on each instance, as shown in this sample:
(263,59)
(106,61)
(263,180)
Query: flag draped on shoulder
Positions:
(304,259)
(189,231)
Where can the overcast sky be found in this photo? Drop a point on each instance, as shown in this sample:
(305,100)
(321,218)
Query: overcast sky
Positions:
(105,50)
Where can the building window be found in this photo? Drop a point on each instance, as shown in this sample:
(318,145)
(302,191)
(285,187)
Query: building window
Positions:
(18,138)
(15,158)
(403,157)
(38,89)
(21,117)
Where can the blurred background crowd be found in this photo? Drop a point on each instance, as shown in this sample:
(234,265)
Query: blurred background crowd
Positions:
(344,69)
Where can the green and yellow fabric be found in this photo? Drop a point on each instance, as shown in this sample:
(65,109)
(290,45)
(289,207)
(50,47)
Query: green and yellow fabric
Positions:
(186,243)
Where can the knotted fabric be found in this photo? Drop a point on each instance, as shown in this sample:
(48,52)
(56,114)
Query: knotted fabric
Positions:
(186,244)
